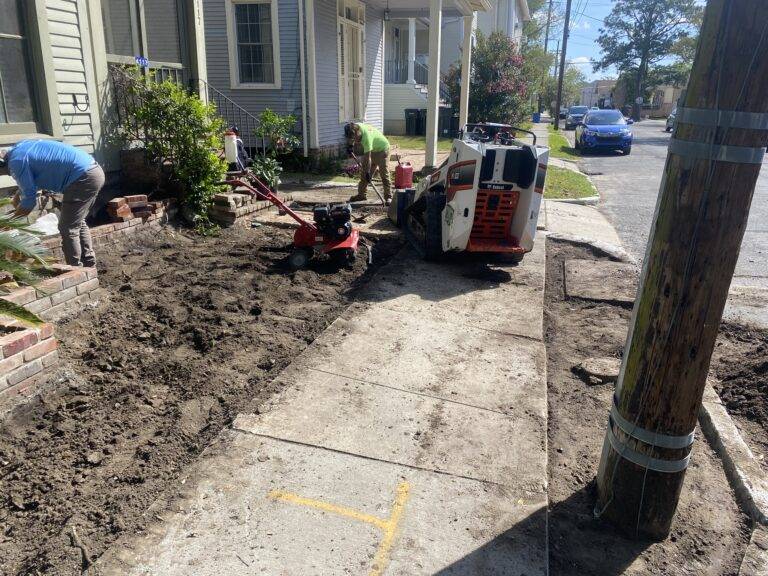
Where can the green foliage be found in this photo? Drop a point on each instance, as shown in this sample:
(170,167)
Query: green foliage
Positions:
(573,81)
(498,86)
(177,127)
(639,35)
(268,170)
(21,255)
(278,130)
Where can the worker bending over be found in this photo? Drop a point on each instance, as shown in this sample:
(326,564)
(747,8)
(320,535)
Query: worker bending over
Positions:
(375,153)
(57,167)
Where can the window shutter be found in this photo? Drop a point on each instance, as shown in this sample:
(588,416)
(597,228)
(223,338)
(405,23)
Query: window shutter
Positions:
(342,74)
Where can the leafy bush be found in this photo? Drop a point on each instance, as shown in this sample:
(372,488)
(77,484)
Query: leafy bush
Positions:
(177,127)
(278,130)
(498,87)
(268,170)
(22,257)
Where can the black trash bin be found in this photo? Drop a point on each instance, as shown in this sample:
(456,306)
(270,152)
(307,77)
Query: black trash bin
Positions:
(422,124)
(412,121)
(444,121)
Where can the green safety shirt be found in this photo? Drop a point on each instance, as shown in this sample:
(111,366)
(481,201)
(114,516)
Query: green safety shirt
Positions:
(372,140)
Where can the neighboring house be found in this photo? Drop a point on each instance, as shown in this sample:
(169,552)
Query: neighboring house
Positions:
(406,68)
(322,60)
(55,59)
(661,102)
(598,93)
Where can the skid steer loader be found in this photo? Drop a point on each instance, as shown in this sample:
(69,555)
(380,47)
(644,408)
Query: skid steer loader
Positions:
(485,197)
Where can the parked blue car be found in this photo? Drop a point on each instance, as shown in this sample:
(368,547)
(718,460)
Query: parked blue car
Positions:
(604,130)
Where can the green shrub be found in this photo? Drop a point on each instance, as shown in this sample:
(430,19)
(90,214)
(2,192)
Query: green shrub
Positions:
(278,130)
(268,170)
(174,126)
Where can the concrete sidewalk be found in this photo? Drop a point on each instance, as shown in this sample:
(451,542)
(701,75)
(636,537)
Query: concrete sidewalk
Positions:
(410,438)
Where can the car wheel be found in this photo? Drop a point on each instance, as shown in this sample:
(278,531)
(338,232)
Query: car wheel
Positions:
(627,150)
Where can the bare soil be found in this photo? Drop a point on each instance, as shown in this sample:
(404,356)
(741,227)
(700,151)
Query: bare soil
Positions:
(740,366)
(709,533)
(194,332)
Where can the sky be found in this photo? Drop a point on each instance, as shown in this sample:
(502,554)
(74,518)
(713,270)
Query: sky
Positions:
(586,19)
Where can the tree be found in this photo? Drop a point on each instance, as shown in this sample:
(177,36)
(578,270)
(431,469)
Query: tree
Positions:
(639,34)
(573,81)
(498,88)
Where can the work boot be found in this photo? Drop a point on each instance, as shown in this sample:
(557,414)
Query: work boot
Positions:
(358,198)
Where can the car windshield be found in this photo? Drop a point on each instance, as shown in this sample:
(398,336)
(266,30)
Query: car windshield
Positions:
(578,110)
(605,117)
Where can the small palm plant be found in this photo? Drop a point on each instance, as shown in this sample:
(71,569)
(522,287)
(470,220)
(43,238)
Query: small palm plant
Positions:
(23,257)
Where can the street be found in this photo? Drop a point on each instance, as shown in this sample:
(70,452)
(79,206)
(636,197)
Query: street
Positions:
(629,186)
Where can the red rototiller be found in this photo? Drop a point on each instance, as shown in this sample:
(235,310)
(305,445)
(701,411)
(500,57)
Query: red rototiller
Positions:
(331,231)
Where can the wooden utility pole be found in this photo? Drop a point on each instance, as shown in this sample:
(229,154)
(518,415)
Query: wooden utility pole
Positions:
(559,100)
(713,162)
(546,33)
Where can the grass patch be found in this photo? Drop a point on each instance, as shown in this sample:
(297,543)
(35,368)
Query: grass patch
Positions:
(419,143)
(563,183)
(559,147)
(311,177)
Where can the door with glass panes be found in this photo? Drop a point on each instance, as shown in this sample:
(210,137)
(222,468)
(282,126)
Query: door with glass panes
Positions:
(351,53)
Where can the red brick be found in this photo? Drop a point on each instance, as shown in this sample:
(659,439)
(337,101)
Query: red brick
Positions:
(121,225)
(40,349)
(50,359)
(124,210)
(27,370)
(39,305)
(10,323)
(91,272)
(21,296)
(15,342)
(135,221)
(11,363)
(103,229)
(62,267)
(72,278)
(49,286)
(115,203)
(136,198)
(64,295)
(88,286)
(45,331)
(14,394)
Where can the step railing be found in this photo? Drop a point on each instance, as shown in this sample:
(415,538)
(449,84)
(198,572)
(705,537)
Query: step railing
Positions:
(232,113)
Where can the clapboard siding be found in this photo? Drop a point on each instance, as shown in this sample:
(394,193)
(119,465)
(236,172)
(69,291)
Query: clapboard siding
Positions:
(70,72)
(330,130)
(286,99)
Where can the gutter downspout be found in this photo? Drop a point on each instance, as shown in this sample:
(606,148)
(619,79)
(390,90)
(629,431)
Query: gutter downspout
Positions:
(302,72)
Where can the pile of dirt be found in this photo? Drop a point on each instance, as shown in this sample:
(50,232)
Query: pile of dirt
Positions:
(709,533)
(740,366)
(195,332)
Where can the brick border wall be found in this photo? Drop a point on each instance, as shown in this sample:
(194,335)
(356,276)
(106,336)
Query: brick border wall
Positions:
(29,356)
(232,208)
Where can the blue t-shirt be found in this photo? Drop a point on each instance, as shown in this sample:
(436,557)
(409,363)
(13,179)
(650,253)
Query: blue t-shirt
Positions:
(45,165)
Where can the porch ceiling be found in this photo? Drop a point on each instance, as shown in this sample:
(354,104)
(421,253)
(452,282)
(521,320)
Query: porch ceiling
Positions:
(413,8)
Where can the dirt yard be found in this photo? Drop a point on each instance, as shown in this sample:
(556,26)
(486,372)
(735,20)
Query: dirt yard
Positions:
(194,333)
(709,533)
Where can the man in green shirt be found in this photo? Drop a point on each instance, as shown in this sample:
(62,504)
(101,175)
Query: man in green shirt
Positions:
(375,153)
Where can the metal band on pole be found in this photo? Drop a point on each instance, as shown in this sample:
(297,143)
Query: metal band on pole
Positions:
(717,152)
(723,118)
(655,464)
(652,438)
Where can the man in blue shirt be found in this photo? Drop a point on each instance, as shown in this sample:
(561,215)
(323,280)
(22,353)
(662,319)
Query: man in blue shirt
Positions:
(58,167)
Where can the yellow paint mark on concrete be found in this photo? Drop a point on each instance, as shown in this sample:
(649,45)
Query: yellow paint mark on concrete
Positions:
(388,527)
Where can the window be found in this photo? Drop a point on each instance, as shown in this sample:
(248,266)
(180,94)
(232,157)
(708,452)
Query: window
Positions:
(254,43)
(351,57)
(17,96)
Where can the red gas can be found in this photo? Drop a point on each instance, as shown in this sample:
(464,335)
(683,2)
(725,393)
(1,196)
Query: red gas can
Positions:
(404,176)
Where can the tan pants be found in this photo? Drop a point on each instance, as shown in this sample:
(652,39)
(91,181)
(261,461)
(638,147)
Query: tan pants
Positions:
(378,160)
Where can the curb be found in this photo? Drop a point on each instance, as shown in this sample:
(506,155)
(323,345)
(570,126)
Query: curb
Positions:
(605,248)
(588,201)
(755,562)
(745,474)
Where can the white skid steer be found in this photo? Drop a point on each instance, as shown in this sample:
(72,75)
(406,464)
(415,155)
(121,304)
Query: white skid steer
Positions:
(485,197)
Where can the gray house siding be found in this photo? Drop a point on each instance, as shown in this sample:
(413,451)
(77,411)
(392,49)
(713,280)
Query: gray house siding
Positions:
(286,99)
(74,77)
(330,130)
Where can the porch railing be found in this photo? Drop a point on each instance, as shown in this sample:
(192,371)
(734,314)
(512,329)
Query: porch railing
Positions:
(233,114)
(396,72)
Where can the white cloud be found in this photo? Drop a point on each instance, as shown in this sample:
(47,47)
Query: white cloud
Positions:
(580,60)
(583,25)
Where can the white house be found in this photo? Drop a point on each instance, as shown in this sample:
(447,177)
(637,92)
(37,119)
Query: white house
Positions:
(407,53)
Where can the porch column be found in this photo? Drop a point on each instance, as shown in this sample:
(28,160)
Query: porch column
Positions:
(411,50)
(433,85)
(466,64)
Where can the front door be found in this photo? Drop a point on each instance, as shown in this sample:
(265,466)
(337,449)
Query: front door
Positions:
(351,61)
